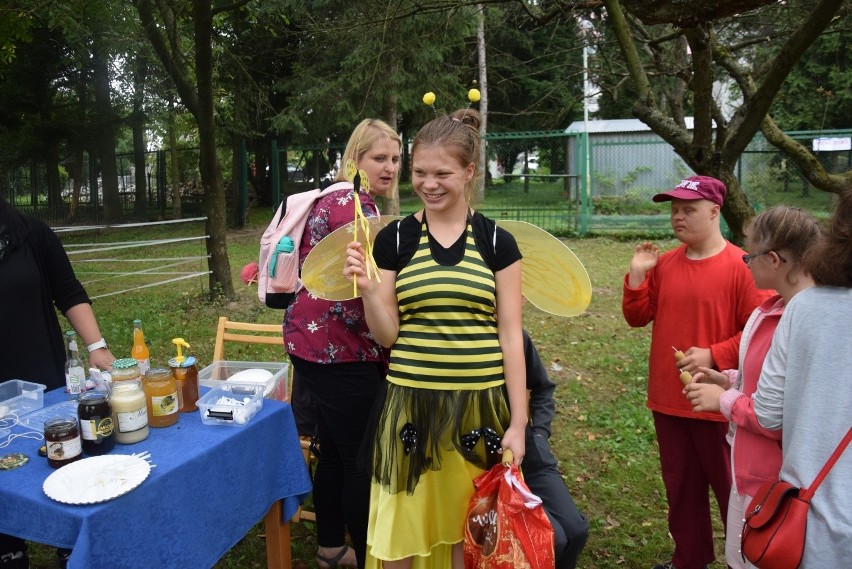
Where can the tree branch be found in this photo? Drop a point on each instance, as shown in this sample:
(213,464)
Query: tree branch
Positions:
(748,118)
(171,61)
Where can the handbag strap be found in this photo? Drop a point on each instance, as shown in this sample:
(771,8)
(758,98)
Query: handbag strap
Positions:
(807,493)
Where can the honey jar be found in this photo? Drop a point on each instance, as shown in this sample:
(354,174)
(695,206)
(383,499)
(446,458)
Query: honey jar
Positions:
(129,412)
(125,369)
(161,397)
(96,427)
(62,438)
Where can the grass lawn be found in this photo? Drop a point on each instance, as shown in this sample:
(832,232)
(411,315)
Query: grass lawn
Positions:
(603,434)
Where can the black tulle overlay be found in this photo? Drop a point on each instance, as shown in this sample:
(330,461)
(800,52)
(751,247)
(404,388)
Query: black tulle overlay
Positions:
(414,427)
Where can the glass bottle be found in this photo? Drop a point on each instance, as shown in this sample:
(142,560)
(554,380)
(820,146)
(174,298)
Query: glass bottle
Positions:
(75,375)
(96,427)
(129,412)
(161,397)
(140,351)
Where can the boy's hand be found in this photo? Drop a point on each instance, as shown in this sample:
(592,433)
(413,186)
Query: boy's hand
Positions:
(645,258)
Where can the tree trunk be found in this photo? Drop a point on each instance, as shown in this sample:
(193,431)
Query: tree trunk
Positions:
(105,137)
(174,164)
(140,202)
(483,102)
(211,172)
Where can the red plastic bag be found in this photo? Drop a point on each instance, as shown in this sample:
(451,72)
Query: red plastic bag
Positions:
(506,524)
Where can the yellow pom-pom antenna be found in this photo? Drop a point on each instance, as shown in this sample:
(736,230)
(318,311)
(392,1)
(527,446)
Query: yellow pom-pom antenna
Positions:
(429,98)
(474,95)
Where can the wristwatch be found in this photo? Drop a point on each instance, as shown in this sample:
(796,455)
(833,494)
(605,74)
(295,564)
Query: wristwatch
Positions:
(97,345)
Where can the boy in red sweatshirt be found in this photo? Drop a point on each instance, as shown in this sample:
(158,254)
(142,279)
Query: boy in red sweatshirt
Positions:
(699,297)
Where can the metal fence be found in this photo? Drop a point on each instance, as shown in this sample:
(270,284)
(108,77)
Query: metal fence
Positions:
(538,177)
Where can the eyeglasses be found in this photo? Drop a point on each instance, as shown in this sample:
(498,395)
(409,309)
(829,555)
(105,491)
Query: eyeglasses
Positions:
(747,259)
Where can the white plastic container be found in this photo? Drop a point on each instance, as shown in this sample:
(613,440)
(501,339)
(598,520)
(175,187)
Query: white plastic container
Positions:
(232,404)
(20,397)
(274,380)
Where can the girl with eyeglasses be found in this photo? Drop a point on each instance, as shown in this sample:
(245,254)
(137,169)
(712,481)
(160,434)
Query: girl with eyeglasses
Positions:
(778,239)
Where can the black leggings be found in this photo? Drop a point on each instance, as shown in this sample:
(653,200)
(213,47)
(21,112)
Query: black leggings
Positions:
(343,395)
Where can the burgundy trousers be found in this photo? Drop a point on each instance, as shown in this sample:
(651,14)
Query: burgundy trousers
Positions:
(695,458)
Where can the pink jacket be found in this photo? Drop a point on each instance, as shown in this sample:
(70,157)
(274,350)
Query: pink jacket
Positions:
(756,452)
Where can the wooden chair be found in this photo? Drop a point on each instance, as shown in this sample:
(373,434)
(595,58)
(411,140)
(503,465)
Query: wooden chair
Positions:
(252,333)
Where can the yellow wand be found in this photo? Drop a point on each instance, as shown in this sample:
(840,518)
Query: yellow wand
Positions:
(359,178)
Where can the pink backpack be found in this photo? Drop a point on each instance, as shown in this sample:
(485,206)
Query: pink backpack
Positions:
(278,267)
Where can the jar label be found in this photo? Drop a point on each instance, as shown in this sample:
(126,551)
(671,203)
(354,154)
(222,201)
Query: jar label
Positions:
(144,365)
(164,406)
(132,420)
(64,450)
(96,429)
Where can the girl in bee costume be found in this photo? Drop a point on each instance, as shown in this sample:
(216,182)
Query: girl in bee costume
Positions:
(448,304)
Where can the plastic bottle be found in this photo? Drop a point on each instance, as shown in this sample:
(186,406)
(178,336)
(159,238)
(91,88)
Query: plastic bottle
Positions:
(140,351)
(285,245)
(75,375)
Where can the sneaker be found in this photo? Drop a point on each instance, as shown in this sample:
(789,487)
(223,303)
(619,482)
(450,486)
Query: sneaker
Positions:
(15,560)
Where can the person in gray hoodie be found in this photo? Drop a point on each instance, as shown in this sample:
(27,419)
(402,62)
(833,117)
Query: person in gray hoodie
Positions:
(805,389)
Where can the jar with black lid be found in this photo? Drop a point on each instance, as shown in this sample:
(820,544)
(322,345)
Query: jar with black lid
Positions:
(62,438)
(96,426)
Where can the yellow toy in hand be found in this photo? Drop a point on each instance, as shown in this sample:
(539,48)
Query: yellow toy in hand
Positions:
(685,376)
(360,179)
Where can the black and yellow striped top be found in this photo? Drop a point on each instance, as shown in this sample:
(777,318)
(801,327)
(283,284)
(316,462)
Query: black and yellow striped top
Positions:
(448,331)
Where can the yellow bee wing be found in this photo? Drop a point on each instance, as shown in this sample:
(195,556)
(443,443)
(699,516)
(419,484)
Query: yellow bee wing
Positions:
(322,272)
(554,279)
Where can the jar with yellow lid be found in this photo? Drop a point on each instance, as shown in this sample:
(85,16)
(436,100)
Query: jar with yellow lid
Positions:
(161,396)
(125,369)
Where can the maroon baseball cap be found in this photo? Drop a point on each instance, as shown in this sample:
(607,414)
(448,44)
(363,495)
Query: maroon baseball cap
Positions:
(696,188)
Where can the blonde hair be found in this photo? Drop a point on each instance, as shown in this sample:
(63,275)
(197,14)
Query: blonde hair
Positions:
(362,139)
(458,134)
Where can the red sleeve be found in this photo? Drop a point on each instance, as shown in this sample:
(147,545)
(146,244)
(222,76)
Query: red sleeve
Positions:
(638,304)
(726,353)
(742,414)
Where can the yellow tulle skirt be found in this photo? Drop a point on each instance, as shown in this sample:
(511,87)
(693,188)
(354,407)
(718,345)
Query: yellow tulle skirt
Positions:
(423,525)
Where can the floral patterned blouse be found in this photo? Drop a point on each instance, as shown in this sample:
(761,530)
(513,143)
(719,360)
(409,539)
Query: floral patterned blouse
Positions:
(324,331)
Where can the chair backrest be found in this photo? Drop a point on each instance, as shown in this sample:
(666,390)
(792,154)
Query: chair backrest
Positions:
(251,333)
(246,332)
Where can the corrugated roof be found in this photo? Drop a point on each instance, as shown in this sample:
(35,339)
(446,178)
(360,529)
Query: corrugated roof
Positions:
(616,125)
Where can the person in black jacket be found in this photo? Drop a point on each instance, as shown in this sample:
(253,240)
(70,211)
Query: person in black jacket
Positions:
(570,527)
(36,279)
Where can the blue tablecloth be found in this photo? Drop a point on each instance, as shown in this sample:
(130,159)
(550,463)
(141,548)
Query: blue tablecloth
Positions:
(212,484)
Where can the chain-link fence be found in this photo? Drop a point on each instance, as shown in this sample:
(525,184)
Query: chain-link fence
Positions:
(538,177)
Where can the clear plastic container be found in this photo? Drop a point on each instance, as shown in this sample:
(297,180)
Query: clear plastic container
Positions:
(224,370)
(231,404)
(19,397)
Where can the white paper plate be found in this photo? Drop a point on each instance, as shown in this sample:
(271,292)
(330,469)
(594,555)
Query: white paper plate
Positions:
(254,375)
(96,479)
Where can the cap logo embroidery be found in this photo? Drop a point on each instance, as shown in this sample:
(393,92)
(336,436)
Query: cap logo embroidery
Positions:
(689,185)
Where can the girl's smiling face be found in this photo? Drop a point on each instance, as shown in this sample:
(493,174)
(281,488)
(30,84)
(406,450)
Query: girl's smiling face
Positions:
(439,179)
